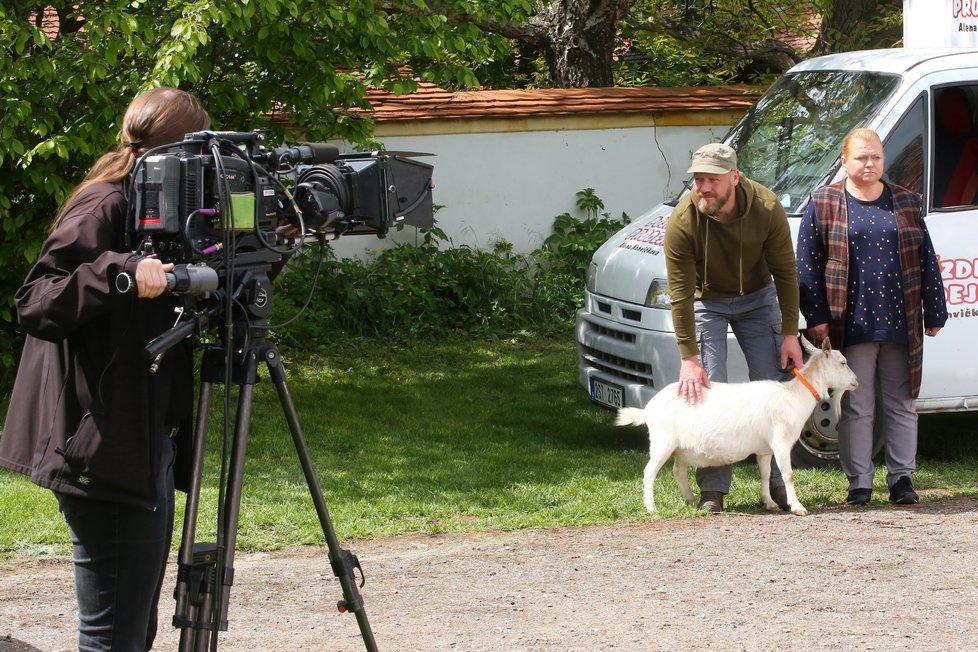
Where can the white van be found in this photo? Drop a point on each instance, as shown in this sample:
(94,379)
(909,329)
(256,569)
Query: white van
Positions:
(922,103)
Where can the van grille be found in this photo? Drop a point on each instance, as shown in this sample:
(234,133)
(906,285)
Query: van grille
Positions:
(611,332)
(625,368)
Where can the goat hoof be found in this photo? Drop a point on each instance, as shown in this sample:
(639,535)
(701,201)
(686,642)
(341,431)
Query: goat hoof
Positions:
(799,510)
(772,507)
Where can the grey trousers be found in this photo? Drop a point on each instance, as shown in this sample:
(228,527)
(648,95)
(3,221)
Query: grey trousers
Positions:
(756,322)
(883,368)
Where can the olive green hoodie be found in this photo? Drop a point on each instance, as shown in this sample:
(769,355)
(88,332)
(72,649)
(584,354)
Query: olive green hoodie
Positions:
(709,259)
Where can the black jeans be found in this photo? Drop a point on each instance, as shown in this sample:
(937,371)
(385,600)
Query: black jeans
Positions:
(120,554)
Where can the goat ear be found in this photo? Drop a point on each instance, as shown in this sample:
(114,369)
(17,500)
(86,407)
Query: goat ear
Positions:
(826,345)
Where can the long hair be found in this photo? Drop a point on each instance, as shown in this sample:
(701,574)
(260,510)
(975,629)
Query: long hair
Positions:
(155,117)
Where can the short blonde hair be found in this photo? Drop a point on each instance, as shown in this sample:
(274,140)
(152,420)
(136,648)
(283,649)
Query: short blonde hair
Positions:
(861,133)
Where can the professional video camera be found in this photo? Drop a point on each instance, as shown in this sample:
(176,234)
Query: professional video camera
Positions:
(226,211)
(217,190)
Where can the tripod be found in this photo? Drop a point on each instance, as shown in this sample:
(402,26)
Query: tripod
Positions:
(206,570)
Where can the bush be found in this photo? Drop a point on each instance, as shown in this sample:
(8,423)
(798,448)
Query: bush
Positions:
(573,242)
(434,287)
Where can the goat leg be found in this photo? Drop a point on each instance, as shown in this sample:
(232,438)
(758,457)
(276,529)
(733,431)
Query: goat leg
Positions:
(658,454)
(680,470)
(764,466)
(783,457)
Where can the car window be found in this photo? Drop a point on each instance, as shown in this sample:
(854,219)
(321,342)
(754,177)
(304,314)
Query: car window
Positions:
(954,152)
(904,148)
(790,140)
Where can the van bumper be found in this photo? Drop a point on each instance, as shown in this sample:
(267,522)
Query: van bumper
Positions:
(611,353)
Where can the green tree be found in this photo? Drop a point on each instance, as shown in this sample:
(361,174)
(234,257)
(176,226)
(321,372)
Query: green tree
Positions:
(576,39)
(677,42)
(69,68)
(859,24)
(661,42)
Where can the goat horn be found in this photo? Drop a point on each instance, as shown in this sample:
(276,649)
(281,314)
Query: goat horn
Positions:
(808,346)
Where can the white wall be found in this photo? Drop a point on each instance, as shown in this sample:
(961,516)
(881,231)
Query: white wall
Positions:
(511,185)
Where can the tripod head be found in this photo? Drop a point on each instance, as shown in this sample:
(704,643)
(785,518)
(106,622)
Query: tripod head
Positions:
(207,299)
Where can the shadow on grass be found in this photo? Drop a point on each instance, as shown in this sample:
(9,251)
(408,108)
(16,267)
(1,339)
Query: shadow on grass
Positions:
(948,436)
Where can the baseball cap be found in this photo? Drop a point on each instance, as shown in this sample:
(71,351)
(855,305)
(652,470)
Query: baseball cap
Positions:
(715,158)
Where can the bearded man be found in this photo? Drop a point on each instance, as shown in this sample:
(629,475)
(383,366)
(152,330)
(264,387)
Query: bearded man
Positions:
(725,242)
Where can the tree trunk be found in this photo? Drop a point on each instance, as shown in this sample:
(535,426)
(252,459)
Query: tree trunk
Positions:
(577,37)
(580,40)
(856,25)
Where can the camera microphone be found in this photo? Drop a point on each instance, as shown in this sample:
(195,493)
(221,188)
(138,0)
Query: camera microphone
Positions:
(313,153)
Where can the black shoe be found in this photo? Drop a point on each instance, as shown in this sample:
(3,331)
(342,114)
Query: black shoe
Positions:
(902,492)
(859,496)
(780,495)
(712,500)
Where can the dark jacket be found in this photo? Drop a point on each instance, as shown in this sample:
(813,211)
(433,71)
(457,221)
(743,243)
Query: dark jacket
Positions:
(86,417)
(831,219)
(709,259)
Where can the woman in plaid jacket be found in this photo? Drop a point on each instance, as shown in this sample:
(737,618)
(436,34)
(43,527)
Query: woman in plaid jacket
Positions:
(869,279)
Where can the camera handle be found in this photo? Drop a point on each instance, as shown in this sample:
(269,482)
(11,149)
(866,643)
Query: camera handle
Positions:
(206,571)
(184,279)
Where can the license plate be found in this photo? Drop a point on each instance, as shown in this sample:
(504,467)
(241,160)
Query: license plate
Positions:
(607,394)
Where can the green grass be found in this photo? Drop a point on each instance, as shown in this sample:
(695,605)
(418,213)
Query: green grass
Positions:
(469,434)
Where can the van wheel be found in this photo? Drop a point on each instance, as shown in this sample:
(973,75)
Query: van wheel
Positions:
(818,446)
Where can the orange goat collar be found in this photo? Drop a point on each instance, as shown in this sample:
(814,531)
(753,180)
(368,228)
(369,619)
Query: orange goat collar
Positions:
(807,384)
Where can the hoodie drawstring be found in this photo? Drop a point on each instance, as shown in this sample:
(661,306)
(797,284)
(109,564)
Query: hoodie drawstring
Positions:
(706,255)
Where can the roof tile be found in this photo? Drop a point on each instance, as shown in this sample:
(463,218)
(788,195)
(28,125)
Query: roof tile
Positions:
(433,103)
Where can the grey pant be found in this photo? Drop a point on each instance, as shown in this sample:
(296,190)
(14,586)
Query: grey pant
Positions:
(756,322)
(883,368)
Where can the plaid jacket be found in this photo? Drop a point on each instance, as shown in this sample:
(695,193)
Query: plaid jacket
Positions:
(831,215)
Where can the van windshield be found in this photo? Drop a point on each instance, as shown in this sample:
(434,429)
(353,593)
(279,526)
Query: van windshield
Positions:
(791,138)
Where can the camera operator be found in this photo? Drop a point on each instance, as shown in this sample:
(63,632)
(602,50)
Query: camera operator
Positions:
(86,418)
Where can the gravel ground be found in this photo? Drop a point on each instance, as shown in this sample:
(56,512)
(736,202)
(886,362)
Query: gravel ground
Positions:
(876,578)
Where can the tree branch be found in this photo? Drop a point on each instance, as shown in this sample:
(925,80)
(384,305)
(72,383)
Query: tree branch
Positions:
(533,31)
(776,54)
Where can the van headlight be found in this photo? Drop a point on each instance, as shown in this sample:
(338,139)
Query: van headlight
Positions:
(658,294)
(592,275)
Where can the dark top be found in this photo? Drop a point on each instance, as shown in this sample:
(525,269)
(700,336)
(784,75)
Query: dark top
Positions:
(875,310)
(86,417)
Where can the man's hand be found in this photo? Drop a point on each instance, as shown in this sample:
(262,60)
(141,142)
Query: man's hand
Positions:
(692,379)
(791,352)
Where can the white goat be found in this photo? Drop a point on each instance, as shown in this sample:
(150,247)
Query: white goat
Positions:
(734,420)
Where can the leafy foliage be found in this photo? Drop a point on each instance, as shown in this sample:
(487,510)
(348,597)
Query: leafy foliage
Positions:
(69,69)
(569,248)
(699,42)
(433,288)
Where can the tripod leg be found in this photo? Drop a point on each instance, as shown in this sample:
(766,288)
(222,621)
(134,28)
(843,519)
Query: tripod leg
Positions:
(190,579)
(228,522)
(342,561)
(206,570)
